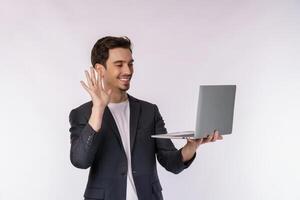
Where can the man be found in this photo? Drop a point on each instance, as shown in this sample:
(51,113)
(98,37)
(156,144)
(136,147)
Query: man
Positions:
(112,133)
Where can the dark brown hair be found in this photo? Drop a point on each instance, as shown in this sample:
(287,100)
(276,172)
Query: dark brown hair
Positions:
(100,51)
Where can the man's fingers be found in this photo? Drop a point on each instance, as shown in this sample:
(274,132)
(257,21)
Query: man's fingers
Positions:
(99,82)
(88,78)
(219,137)
(200,141)
(205,139)
(215,136)
(85,87)
(195,142)
(98,78)
(93,77)
(210,137)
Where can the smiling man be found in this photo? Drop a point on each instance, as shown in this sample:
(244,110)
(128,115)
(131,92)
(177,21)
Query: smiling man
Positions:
(111,134)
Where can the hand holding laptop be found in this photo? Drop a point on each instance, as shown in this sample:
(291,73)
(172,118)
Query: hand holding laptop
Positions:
(215,112)
(191,146)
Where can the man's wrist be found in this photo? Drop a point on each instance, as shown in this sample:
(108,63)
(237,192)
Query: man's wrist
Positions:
(98,108)
(95,120)
(188,152)
(191,147)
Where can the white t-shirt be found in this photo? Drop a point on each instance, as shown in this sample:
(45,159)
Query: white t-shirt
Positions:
(121,114)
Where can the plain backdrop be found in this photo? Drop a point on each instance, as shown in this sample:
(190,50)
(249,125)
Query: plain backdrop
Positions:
(45,47)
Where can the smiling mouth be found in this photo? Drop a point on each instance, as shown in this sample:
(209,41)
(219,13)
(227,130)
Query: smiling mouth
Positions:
(125,80)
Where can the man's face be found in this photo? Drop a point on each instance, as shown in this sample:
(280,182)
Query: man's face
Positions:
(119,69)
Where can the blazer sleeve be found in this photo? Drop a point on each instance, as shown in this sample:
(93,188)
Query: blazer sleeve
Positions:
(84,138)
(167,154)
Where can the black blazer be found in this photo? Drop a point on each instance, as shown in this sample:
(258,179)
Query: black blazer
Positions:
(103,152)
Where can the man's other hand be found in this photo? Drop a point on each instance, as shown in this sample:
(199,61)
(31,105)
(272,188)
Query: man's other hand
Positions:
(191,146)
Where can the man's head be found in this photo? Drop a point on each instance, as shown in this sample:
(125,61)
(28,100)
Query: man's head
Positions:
(112,58)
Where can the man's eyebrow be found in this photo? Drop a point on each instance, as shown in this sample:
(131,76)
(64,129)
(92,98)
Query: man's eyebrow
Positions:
(120,61)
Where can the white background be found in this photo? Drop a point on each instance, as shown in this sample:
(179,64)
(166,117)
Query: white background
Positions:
(45,47)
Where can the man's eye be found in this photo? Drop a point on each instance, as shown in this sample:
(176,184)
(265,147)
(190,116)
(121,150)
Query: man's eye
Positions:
(119,65)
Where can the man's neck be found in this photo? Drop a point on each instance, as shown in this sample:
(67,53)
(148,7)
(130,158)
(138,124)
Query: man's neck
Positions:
(118,97)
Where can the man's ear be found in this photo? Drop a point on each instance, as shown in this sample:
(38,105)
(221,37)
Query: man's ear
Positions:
(100,69)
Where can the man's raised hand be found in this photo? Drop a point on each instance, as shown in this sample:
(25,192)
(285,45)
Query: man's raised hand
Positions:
(94,87)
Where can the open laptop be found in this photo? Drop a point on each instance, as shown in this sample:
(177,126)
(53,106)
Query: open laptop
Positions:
(215,112)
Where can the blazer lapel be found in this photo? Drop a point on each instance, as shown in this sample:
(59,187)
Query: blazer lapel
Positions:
(109,119)
(134,106)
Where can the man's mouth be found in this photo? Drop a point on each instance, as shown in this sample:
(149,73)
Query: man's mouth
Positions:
(125,80)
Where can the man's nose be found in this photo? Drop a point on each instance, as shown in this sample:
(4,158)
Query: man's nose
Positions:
(127,69)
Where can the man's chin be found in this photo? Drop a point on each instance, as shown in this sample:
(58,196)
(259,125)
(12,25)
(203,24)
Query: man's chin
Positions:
(124,88)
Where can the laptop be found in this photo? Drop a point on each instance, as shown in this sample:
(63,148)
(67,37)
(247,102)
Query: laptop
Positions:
(215,112)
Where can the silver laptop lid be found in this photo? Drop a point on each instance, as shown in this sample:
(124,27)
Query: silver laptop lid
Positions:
(215,109)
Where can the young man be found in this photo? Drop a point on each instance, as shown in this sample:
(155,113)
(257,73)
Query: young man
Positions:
(112,133)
